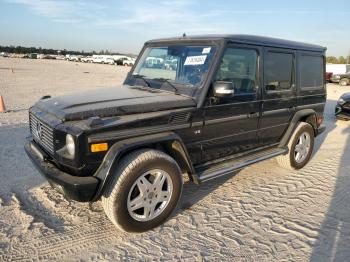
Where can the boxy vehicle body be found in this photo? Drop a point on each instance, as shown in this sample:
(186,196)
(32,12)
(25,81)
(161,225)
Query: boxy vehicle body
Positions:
(231,101)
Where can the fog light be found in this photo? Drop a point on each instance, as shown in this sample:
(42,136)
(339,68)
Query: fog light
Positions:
(99,147)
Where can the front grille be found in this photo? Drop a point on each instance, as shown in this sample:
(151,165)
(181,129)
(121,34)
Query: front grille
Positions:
(42,133)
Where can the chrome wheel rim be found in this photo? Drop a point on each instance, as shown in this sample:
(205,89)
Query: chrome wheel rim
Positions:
(149,195)
(302,147)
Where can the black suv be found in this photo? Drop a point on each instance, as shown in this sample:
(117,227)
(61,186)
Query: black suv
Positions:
(342,79)
(232,101)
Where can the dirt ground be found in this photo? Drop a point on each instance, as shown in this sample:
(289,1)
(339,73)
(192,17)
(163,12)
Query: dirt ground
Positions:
(263,213)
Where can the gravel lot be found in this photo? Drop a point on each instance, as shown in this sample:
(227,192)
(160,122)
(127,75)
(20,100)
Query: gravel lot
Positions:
(263,213)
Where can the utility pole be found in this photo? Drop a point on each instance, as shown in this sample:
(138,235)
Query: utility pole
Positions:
(348,60)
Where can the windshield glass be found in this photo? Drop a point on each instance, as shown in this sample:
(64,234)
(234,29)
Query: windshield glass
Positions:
(181,69)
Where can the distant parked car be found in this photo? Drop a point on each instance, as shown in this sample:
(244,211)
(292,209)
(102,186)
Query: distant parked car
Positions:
(129,62)
(87,59)
(342,79)
(119,61)
(342,109)
(3,54)
(74,58)
(103,60)
(170,64)
(48,57)
(329,76)
(154,62)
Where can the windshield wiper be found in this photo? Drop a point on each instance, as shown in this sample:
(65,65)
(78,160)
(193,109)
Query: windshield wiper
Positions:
(143,78)
(165,80)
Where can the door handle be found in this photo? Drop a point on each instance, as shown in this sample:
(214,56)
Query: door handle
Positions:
(251,115)
(291,109)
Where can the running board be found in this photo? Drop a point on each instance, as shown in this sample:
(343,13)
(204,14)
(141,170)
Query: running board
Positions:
(230,166)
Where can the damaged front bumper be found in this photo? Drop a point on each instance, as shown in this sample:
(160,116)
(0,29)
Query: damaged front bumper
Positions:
(81,189)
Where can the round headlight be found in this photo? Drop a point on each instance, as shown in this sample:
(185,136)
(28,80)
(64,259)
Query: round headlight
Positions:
(70,144)
(341,101)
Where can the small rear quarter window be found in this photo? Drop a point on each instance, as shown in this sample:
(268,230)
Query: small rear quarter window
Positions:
(311,72)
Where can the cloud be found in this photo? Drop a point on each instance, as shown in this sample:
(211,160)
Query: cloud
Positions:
(60,11)
(153,18)
(169,17)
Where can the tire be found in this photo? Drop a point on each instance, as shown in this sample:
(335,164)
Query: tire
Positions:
(126,182)
(290,160)
(344,82)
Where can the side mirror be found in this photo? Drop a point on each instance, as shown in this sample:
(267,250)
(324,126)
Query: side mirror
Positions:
(223,89)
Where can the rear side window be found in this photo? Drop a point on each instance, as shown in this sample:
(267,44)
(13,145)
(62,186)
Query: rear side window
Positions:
(278,71)
(311,72)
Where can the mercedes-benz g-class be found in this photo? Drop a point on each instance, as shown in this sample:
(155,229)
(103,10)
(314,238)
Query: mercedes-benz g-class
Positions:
(226,102)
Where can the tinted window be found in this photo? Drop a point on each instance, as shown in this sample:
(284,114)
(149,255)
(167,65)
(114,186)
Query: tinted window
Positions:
(239,67)
(311,71)
(278,69)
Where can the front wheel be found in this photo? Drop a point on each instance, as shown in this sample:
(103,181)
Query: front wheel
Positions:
(344,82)
(143,191)
(300,148)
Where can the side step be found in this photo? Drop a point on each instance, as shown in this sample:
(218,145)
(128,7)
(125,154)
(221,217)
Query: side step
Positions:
(230,166)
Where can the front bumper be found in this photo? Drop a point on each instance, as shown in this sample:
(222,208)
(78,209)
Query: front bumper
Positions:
(342,113)
(81,189)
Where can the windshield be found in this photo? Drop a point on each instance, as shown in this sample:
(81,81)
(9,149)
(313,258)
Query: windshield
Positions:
(181,69)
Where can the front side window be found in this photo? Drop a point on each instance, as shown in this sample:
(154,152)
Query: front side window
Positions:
(239,66)
(278,71)
(182,68)
(311,71)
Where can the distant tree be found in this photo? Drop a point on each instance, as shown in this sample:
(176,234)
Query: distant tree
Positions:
(342,60)
(332,60)
(49,51)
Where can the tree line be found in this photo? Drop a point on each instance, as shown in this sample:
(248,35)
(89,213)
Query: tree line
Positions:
(338,60)
(50,51)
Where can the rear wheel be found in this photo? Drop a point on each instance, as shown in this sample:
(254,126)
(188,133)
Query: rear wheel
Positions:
(344,82)
(143,192)
(300,147)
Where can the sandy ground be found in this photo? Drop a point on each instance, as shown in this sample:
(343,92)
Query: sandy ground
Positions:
(263,213)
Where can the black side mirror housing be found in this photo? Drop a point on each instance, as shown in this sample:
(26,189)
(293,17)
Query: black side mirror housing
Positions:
(223,89)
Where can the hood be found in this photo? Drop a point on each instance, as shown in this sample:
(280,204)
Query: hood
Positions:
(115,101)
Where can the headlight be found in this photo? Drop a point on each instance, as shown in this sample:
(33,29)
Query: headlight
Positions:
(341,101)
(70,144)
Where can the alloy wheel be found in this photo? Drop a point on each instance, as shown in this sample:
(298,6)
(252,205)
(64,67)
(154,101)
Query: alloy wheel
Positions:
(149,195)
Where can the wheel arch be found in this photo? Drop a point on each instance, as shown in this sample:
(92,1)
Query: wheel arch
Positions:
(304,115)
(168,142)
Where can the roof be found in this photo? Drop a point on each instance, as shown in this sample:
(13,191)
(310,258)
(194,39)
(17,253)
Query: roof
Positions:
(246,39)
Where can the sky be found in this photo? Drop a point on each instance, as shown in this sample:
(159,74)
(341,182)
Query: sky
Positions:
(123,26)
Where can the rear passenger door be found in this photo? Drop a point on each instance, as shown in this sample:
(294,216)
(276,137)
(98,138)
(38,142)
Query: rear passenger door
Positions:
(279,94)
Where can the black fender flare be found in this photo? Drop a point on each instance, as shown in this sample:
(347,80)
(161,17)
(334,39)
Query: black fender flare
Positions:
(170,140)
(297,117)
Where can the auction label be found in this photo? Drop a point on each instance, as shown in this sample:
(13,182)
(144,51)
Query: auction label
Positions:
(206,50)
(195,60)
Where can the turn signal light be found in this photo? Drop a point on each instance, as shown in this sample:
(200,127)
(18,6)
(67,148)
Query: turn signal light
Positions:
(99,147)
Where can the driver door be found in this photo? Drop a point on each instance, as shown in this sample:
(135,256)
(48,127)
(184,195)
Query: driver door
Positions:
(231,123)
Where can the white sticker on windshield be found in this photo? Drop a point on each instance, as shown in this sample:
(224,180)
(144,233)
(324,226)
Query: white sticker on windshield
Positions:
(195,60)
(206,50)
